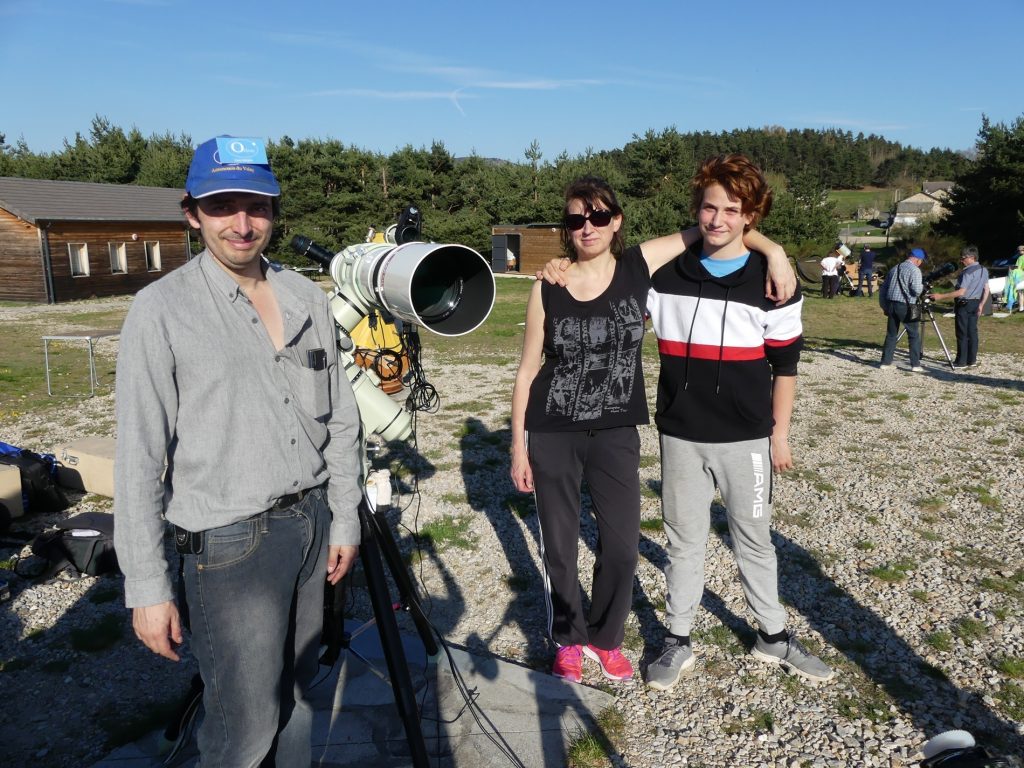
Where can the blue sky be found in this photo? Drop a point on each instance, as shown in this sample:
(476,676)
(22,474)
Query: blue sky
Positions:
(492,77)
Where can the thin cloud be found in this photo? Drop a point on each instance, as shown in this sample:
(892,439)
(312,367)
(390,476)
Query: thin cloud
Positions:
(391,95)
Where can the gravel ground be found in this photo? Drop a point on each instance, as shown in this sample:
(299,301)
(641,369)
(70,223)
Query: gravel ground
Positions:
(900,555)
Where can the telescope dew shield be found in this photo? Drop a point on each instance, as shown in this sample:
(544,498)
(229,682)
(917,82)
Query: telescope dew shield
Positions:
(448,289)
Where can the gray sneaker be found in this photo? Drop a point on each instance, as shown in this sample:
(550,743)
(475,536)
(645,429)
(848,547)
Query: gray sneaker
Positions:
(664,672)
(793,657)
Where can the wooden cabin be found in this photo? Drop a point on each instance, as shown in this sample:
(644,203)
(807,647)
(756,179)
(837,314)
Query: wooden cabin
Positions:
(524,248)
(68,240)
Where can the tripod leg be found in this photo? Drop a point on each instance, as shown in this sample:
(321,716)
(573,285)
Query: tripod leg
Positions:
(406,591)
(391,641)
(942,341)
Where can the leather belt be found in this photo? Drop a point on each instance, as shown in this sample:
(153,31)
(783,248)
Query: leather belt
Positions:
(291,499)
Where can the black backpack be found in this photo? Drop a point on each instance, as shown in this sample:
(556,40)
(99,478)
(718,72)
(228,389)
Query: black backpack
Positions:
(85,542)
(39,489)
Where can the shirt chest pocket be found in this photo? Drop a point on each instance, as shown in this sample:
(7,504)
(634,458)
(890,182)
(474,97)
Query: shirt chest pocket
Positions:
(313,390)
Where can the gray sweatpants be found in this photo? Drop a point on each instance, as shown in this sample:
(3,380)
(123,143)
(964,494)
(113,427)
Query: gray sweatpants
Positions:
(743,473)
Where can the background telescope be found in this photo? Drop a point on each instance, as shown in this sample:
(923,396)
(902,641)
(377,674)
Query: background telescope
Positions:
(447,289)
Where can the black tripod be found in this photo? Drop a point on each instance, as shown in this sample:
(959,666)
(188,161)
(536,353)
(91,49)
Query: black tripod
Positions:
(926,311)
(377,540)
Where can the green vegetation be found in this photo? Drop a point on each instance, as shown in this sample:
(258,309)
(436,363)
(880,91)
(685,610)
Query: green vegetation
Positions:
(940,641)
(968,629)
(1011,666)
(592,749)
(1011,700)
(448,531)
(652,524)
(15,664)
(893,572)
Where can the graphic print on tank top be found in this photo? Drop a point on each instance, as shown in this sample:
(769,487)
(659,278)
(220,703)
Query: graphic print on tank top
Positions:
(597,369)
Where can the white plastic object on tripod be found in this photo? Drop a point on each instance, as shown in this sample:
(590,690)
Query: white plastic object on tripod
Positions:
(947,740)
(378,489)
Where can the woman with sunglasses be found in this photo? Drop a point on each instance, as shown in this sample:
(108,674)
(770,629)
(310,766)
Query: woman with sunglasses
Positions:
(579,396)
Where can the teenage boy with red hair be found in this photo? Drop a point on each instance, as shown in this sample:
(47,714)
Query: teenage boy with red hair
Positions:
(725,397)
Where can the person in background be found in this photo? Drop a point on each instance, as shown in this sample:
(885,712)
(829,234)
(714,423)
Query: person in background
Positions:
(1020,257)
(228,367)
(969,295)
(830,274)
(866,271)
(901,289)
(1014,288)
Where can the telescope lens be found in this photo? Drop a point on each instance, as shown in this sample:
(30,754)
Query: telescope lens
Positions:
(435,294)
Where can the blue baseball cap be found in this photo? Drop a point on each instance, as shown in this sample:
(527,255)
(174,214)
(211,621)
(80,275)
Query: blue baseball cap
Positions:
(231,164)
(918,253)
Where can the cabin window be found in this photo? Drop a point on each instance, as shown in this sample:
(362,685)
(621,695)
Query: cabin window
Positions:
(118,258)
(79,253)
(153,256)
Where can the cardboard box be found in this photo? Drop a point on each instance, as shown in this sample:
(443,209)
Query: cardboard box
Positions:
(10,490)
(87,464)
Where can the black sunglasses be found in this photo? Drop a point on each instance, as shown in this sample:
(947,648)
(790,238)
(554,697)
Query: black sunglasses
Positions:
(574,221)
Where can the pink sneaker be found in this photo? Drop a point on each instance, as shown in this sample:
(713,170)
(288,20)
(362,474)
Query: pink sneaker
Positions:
(614,665)
(568,663)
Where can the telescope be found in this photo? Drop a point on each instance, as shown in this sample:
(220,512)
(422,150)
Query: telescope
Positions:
(447,289)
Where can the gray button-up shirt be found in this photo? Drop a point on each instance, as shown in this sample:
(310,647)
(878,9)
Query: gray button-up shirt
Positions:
(973,280)
(240,424)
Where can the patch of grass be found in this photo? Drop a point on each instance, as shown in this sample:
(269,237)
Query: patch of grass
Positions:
(864,545)
(920,595)
(457,499)
(931,504)
(15,664)
(893,572)
(873,519)
(969,629)
(1011,666)
(927,535)
(448,531)
(985,497)
(940,641)
(99,636)
(516,582)
(652,524)
(592,749)
(521,505)
(1011,700)
(1013,585)
(899,396)
(649,461)
(999,441)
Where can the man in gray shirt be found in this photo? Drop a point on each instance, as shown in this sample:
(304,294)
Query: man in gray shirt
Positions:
(228,371)
(970,296)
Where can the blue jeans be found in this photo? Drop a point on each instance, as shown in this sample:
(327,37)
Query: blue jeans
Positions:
(255,599)
(865,276)
(897,311)
(966,318)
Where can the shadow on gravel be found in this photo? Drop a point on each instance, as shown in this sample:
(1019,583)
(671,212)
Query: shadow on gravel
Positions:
(485,472)
(935,365)
(82,685)
(920,690)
